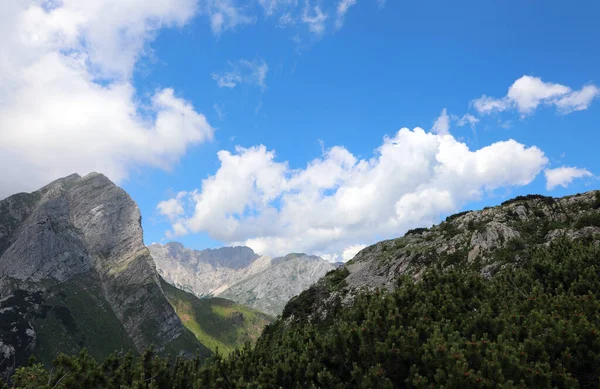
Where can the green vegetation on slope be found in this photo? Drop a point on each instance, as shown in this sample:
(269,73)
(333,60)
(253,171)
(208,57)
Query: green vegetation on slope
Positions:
(534,324)
(216,322)
(76,316)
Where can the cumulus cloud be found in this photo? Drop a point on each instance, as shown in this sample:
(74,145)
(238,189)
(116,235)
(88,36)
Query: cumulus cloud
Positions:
(442,124)
(564,176)
(172,208)
(66,98)
(527,93)
(314,17)
(243,71)
(339,199)
(342,7)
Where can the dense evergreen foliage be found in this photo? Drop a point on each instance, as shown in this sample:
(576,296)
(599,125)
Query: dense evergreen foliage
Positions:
(536,323)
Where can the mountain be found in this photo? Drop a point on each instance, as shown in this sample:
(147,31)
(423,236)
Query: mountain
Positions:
(238,274)
(269,290)
(504,297)
(75,273)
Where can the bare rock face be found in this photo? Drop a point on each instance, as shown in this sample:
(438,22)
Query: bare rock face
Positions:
(85,228)
(238,274)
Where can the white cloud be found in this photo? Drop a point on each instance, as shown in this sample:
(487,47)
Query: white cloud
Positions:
(225,15)
(338,199)
(219,110)
(342,7)
(172,208)
(351,251)
(314,17)
(243,71)
(467,119)
(66,99)
(527,93)
(442,124)
(486,105)
(270,6)
(564,176)
(578,100)
(286,20)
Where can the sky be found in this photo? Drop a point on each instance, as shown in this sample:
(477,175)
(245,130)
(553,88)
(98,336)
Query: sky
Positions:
(301,126)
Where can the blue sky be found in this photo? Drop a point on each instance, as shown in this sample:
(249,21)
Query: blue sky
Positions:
(301,80)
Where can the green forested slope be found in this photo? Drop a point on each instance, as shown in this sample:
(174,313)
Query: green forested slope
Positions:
(217,323)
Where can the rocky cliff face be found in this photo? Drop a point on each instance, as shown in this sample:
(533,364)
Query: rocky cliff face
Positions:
(72,260)
(238,274)
(483,240)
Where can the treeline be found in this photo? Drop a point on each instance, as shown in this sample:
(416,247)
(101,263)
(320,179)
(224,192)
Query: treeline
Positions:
(536,323)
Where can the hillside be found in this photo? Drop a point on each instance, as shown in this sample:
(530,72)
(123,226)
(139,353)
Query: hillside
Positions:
(481,241)
(237,273)
(521,312)
(217,323)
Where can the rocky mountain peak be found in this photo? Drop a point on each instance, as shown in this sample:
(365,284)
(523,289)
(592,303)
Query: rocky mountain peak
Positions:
(85,229)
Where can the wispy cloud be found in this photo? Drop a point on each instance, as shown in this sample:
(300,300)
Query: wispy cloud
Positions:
(226,15)
(342,7)
(441,125)
(243,71)
(219,110)
(467,119)
(286,20)
(271,6)
(314,17)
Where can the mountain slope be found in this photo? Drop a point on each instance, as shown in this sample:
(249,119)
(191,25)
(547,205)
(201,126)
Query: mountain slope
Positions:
(238,274)
(478,240)
(216,322)
(74,273)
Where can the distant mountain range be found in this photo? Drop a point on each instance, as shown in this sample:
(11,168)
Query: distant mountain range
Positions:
(74,273)
(239,274)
